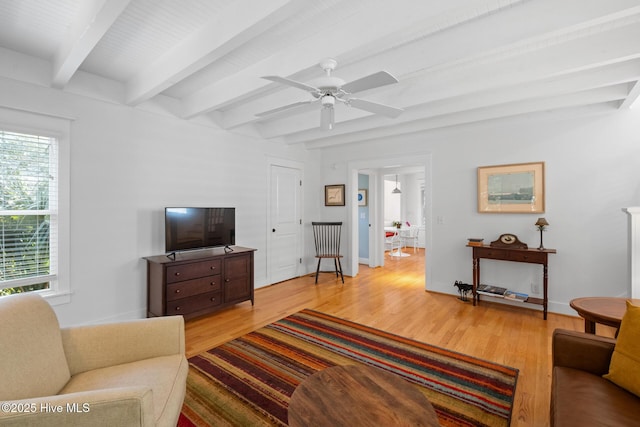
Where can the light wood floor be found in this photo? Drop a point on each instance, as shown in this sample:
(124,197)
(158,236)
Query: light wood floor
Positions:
(393,298)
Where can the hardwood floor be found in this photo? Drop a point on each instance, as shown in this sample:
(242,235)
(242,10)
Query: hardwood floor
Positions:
(393,299)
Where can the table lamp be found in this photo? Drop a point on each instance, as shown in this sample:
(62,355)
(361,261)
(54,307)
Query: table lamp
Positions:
(541,223)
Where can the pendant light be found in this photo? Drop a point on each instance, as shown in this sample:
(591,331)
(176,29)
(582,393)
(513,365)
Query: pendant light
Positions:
(396,190)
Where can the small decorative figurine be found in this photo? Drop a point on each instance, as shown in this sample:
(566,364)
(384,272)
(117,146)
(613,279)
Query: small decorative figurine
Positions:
(463,290)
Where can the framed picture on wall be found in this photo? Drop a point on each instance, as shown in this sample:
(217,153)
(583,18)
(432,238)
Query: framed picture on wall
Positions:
(362,197)
(515,188)
(334,195)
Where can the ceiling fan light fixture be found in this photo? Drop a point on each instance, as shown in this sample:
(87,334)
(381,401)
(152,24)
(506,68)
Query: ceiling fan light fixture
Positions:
(328,101)
(329,89)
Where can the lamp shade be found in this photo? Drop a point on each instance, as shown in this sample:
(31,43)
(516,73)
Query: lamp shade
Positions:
(396,190)
(541,222)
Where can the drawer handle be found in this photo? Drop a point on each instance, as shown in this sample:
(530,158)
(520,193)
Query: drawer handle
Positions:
(213,283)
(177,291)
(177,273)
(178,308)
(212,267)
(227,280)
(213,299)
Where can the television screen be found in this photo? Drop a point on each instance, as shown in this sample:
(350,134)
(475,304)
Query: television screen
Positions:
(196,228)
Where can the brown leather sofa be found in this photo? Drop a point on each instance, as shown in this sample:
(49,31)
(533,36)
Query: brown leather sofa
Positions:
(579,394)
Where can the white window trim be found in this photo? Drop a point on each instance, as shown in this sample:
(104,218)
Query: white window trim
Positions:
(59,128)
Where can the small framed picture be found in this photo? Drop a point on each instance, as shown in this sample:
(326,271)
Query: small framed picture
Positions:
(362,197)
(334,195)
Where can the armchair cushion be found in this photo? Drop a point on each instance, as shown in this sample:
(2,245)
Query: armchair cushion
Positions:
(33,359)
(98,346)
(624,369)
(582,399)
(160,374)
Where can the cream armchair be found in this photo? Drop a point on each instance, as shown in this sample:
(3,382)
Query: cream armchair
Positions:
(122,374)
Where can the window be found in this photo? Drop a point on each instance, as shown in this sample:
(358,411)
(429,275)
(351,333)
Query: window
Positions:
(28,202)
(33,233)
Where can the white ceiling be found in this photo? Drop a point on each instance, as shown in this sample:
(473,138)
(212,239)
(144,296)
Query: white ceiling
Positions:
(458,61)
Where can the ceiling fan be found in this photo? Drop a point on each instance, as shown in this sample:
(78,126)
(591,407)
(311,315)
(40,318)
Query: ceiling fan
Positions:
(328,89)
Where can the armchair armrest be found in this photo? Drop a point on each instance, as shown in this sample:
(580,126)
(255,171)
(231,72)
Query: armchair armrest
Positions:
(578,350)
(99,346)
(130,406)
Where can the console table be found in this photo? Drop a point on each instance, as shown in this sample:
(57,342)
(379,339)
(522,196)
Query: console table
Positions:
(531,256)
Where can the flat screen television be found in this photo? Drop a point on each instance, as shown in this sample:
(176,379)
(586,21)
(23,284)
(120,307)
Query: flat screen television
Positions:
(198,228)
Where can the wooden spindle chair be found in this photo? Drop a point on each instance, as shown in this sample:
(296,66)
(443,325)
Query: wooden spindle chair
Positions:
(327,240)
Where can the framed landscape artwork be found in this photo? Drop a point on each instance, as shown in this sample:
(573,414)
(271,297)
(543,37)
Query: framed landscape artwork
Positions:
(515,188)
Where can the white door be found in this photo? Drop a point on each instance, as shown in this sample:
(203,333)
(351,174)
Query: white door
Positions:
(286,223)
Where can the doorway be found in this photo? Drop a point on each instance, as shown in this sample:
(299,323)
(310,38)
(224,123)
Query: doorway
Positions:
(364,224)
(376,170)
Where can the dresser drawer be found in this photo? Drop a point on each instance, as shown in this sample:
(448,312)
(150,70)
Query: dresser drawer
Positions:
(193,270)
(188,288)
(194,303)
(530,256)
(491,253)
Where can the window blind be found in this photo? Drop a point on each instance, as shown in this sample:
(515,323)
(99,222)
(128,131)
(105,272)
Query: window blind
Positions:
(28,212)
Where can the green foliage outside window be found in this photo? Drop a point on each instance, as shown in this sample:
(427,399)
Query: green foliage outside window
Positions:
(24,237)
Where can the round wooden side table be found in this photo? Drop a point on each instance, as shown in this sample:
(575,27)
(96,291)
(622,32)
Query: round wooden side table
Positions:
(605,310)
(355,395)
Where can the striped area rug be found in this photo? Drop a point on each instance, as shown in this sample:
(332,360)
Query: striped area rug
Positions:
(248,381)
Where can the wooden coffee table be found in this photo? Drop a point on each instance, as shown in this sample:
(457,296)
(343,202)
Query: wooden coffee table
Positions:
(605,310)
(355,395)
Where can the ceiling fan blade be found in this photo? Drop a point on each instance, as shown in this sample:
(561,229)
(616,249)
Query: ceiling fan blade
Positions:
(381,78)
(327,118)
(285,108)
(292,83)
(376,108)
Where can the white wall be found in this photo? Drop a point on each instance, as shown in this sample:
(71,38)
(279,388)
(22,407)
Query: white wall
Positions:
(411,199)
(392,202)
(592,171)
(126,166)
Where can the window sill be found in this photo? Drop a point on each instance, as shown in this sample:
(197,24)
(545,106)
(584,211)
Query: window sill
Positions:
(57,298)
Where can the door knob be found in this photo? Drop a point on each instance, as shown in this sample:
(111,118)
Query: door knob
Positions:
(273,230)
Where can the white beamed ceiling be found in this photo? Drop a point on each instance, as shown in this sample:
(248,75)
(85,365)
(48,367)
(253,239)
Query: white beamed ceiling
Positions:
(458,61)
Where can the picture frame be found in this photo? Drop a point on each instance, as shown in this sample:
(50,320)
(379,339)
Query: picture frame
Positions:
(511,188)
(362,197)
(334,195)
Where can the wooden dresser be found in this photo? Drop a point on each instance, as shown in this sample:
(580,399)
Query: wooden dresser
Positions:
(199,282)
